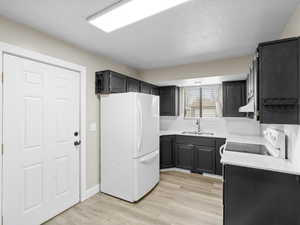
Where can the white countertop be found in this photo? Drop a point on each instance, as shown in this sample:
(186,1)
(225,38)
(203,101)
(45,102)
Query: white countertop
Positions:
(247,159)
(229,137)
(260,162)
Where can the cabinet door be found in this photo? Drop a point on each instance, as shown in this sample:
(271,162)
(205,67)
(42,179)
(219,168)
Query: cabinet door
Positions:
(203,159)
(169,101)
(133,85)
(117,83)
(155,90)
(259,197)
(219,143)
(146,88)
(234,96)
(184,156)
(278,76)
(167,152)
(101,82)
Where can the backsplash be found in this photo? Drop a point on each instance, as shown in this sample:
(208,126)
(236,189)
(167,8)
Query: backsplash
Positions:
(234,126)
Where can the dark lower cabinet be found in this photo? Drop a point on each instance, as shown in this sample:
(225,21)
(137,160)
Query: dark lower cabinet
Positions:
(259,197)
(133,85)
(203,159)
(219,143)
(167,154)
(234,96)
(184,156)
(198,154)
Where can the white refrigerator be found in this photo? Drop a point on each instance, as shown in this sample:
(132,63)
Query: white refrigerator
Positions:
(129,144)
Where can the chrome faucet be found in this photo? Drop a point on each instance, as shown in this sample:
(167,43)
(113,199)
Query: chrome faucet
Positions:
(198,125)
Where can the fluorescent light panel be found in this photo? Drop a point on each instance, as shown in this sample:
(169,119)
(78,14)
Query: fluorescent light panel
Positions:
(128,12)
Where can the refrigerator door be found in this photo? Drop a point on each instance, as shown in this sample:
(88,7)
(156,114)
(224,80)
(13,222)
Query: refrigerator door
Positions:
(117,141)
(146,174)
(147,125)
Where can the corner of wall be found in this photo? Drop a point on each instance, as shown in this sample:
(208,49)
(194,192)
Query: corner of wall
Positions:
(292,29)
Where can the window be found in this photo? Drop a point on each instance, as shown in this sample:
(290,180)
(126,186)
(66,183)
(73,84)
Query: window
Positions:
(203,101)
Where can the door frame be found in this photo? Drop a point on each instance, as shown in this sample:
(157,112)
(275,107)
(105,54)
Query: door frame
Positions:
(17,51)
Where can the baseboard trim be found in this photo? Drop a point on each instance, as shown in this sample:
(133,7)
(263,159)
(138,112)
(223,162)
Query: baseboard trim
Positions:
(92,191)
(213,176)
(188,171)
(175,169)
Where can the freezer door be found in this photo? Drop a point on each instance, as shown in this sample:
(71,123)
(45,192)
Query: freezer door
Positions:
(147,125)
(146,174)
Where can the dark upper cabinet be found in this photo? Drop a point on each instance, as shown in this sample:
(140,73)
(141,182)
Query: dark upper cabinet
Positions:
(184,156)
(203,159)
(219,143)
(234,96)
(259,197)
(167,154)
(108,82)
(146,88)
(169,101)
(155,90)
(133,85)
(279,81)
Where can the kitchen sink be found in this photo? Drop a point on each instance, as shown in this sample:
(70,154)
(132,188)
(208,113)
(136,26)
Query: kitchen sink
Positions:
(201,133)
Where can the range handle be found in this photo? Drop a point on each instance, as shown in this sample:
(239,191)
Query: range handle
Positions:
(222,150)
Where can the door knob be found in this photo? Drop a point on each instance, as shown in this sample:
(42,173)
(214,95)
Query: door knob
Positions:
(77,143)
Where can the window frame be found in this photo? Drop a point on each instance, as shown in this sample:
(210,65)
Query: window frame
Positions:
(201,102)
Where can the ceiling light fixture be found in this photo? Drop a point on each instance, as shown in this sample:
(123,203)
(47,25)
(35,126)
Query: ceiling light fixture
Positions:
(127,12)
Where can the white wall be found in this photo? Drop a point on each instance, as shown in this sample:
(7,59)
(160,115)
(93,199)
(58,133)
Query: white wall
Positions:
(28,38)
(292,29)
(219,126)
(229,66)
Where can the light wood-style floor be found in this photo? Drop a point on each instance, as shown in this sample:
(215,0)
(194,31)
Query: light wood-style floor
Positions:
(179,199)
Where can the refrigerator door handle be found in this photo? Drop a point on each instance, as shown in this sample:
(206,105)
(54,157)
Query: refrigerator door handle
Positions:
(140,125)
(149,158)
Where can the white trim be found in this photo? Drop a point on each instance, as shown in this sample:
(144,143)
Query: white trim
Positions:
(213,176)
(188,171)
(175,169)
(92,191)
(13,50)
(1,132)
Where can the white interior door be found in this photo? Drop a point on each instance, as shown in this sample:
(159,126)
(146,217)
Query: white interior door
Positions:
(40,161)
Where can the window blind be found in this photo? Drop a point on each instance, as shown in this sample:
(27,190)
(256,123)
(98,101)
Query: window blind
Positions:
(203,101)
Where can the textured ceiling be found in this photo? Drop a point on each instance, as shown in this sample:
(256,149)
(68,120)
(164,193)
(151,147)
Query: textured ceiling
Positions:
(199,30)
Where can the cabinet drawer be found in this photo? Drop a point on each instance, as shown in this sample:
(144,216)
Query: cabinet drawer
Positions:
(202,141)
